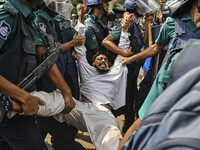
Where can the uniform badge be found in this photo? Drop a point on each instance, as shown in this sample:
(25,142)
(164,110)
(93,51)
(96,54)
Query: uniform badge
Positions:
(94,38)
(42,27)
(4,30)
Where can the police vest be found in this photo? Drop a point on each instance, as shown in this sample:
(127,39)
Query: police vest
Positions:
(100,32)
(44,84)
(20,59)
(64,31)
(136,43)
(182,35)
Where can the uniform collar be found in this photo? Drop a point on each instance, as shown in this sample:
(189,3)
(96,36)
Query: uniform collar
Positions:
(45,15)
(186,16)
(136,21)
(22,7)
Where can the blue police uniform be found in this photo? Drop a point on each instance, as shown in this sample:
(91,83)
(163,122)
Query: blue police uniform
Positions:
(65,34)
(185,29)
(17,60)
(62,136)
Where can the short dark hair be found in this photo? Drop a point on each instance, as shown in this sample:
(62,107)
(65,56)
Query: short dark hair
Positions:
(97,54)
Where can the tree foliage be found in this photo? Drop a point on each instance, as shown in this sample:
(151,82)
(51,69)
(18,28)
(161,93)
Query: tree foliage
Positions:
(76,2)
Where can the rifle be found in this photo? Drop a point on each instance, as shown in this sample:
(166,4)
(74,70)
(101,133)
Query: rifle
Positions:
(49,58)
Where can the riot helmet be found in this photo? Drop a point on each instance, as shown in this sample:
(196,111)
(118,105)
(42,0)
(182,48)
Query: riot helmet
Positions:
(119,9)
(62,7)
(96,3)
(173,8)
(142,7)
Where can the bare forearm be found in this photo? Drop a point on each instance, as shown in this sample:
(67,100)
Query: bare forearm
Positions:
(149,52)
(134,126)
(112,47)
(108,43)
(12,90)
(68,45)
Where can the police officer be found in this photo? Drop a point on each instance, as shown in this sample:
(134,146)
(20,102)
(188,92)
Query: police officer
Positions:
(52,23)
(97,27)
(73,21)
(133,68)
(176,31)
(185,21)
(18,57)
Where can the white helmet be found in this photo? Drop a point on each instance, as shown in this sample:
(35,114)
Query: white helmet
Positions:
(62,7)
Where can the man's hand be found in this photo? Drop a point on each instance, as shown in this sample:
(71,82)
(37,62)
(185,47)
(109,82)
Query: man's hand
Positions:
(69,103)
(159,16)
(81,10)
(162,2)
(125,60)
(149,17)
(78,41)
(127,21)
(30,105)
(75,56)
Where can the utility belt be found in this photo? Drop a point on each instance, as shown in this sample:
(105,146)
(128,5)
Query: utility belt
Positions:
(5,105)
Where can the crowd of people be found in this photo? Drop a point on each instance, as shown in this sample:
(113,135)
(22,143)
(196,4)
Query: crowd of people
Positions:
(95,77)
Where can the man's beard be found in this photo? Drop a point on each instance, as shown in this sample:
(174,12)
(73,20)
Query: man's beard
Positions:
(101,70)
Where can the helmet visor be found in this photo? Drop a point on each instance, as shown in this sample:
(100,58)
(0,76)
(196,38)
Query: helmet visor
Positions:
(145,6)
(62,7)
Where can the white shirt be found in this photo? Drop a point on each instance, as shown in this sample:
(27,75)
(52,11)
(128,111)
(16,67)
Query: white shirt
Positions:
(104,88)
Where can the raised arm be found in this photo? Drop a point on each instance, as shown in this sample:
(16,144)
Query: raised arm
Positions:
(108,42)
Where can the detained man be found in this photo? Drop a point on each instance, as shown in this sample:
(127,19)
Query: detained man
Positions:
(102,89)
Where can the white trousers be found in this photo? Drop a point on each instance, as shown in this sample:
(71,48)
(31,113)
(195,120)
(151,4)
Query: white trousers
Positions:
(100,123)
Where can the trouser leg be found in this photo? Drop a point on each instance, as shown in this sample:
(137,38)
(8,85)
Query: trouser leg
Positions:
(98,121)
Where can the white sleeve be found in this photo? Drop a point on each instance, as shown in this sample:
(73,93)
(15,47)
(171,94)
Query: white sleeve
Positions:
(81,50)
(124,43)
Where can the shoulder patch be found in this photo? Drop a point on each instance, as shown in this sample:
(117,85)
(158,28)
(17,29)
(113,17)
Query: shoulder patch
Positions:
(42,27)
(10,8)
(94,37)
(4,30)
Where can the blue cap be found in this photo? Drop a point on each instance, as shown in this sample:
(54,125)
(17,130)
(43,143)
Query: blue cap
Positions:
(95,2)
(129,4)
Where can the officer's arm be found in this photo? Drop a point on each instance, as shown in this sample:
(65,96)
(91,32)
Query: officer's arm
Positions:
(148,52)
(108,43)
(55,76)
(132,128)
(24,101)
(77,41)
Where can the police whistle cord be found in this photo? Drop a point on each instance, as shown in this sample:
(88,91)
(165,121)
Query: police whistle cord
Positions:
(52,54)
